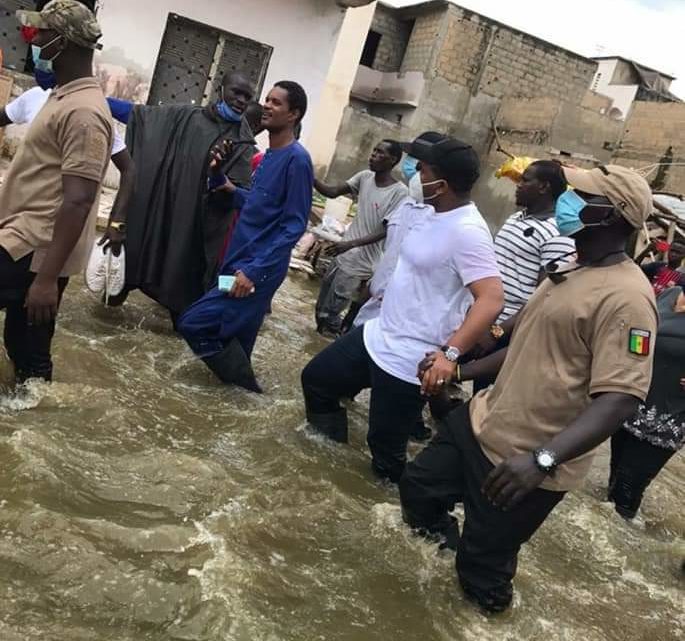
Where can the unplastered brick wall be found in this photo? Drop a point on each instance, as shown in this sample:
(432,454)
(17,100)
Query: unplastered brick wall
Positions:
(395,35)
(424,42)
(541,125)
(462,51)
(655,133)
(490,57)
(652,128)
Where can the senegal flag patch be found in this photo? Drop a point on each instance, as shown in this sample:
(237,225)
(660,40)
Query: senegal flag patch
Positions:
(640,342)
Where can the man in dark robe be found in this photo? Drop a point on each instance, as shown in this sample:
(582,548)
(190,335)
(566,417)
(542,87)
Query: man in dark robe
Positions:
(176,230)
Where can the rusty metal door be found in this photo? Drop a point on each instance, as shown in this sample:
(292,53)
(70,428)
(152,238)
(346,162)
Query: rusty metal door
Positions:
(193,58)
(15,51)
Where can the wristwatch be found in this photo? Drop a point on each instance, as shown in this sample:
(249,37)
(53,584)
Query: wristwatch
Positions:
(546,460)
(117,226)
(452,354)
(496,331)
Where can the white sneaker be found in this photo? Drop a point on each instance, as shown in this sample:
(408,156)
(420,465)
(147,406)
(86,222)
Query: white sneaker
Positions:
(106,272)
(116,273)
(96,272)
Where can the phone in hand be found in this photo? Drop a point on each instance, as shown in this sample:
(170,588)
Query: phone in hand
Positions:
(226,283)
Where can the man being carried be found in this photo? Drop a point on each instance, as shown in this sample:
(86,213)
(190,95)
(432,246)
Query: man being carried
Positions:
(48,203)
(378,194)
(176,230)
(579,363)
(222,326)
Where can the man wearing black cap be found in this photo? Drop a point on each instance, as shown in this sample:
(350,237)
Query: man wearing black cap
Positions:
(48,204)
(579,363)
(444,293)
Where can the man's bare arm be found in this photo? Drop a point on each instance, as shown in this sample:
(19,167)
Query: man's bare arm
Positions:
(78,197)
(332,191)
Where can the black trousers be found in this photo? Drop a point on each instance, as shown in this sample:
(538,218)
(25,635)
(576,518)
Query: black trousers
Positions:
(634,465)
(28,346)
(450,470)
(341,371)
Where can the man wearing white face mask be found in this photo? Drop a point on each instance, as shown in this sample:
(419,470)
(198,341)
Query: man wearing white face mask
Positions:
(444,292)
(397,226)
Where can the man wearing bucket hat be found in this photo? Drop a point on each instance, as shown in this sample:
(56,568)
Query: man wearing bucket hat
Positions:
(48,203)
(579,364)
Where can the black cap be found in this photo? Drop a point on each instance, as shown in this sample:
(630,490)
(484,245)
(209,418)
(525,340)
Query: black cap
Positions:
(456,160)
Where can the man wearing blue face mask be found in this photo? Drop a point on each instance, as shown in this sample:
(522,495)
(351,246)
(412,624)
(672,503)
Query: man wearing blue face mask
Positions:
(410,171)
(25,108)
(49,200)
(578,365)
(176,229)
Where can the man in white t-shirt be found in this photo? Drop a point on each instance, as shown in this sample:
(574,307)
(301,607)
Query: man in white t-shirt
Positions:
(378,194)
(442,296)
(25,108)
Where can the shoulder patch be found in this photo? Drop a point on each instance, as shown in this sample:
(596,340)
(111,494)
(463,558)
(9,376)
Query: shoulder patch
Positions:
(639,342)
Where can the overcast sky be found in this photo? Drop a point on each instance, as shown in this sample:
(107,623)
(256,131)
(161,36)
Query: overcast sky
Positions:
(648,31)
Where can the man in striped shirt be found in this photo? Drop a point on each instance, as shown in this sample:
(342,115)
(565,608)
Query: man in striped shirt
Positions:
(529,240)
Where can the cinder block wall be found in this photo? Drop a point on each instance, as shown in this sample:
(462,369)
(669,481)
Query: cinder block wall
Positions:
(655,133)
(395,34)
(495,59)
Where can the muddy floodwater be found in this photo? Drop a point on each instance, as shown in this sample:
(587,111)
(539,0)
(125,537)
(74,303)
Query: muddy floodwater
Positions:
(140,500)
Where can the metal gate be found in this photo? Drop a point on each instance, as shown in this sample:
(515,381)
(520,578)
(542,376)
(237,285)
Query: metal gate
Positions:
(15,51)
(194,57)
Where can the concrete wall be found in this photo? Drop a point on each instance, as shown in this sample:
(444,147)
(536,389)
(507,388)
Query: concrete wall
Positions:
(395,35)
(315,42)
(489,57)
(535,125)
(303,33)
(655,133)
(326,116)
(377,86)
(470,65)
(424,43)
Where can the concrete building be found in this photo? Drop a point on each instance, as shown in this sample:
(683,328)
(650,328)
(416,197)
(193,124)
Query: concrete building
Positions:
(435,65)
(438,66)
(626,81)
(165,51)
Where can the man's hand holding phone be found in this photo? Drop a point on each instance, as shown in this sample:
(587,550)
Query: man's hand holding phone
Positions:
(237,286)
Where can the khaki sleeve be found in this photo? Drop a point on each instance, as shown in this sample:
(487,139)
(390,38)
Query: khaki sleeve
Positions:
(86,144)
(622,342)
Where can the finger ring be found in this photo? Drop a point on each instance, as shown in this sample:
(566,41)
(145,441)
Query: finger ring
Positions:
(441,381)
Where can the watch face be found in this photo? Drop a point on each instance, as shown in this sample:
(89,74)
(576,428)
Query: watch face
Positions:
(452,354)
(545,459)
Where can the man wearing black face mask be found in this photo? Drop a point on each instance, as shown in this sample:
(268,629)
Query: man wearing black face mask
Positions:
(176,230)
(579,364)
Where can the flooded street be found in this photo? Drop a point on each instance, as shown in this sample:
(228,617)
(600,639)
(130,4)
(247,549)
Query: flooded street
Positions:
(141,500)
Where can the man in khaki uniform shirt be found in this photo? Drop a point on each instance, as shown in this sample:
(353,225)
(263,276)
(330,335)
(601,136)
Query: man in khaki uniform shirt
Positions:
(48,203)
(579,364)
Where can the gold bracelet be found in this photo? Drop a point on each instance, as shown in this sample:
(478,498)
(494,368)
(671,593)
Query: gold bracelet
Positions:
(458,373)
